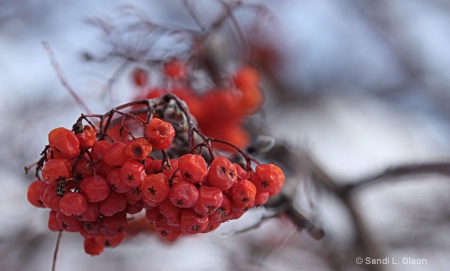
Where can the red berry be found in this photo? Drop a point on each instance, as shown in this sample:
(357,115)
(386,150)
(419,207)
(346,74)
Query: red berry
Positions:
(165,230)
(92,247)
(138,149)
(261,198)
(91,214)
(243,192)
(175,69)
(221,213)
(268,178)
(209,200)
(64,142)
(132,173)
(155,187)
(72,203)
(68,223)
(114,225)
(160,133)
(115,155)
(110,241)
(140,77)
(50,198)
(134,195)
(87,138)
(183,194)
(135,208)
(99,149)
(34,193)
(193,168)
(193,223)
(170,212)
(56,170)
(222,173)
(95,188)
(115,182)
(92,228)
(113,204)
(52,222)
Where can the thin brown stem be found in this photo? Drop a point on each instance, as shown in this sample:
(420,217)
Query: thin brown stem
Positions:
(55,252)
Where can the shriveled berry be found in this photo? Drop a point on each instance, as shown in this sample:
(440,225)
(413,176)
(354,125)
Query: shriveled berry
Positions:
(132,173)
(34,193)
(138,149)
(64,142)
(72,203)
(160,133)
(193,168)
(268,178)
(155,187)
(209,200)
(183,194)
(222,173)
(95,188)
(193,223)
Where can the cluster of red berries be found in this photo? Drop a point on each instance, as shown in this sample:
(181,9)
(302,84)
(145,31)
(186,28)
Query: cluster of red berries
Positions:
(94,183)
(238,96)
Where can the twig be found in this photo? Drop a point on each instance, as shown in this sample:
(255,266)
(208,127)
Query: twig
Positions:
(61,77)
(55,253)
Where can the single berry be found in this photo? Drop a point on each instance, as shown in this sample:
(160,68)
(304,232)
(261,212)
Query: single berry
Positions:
(56,170)
(160,133)
(170,212)
(140,77)
(115,155)
(52,223)
(222,173)
(193,168)
(155,187)
(209,200)
(95,188)
(132,173)
(64,142)
(115,182)
(34,193)
(193,223)
(138,149)
(92,247)
(113,204)
(72,203)
(183,195)
(268,178)
(243,192)
(87,137)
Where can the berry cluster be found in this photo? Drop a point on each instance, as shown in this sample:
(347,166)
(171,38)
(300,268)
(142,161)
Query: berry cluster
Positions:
(95,177)
(238,96)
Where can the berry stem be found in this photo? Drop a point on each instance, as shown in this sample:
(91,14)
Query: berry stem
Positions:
(55,252)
